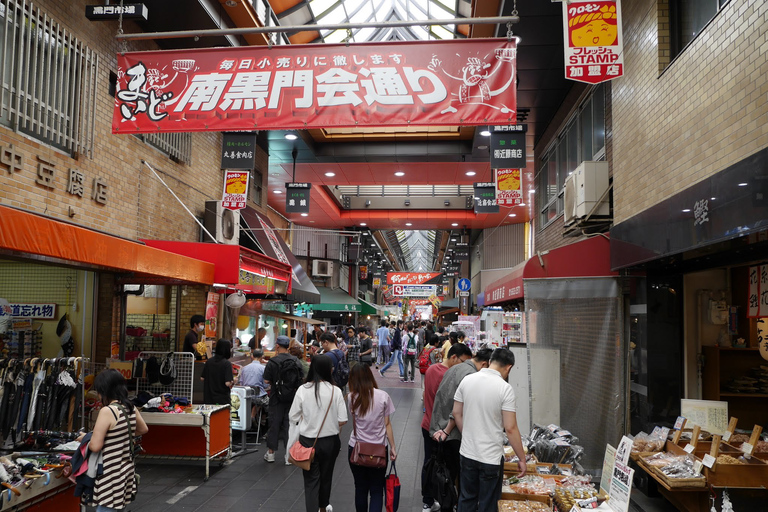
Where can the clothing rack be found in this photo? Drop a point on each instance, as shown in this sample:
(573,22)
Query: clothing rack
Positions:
(38,394)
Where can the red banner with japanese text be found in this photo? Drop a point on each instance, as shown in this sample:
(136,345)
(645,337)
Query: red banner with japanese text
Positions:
(414,277)
(594,46)
(456,82)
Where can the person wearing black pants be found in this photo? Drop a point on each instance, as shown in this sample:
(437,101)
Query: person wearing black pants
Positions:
(318,480)
(369,482)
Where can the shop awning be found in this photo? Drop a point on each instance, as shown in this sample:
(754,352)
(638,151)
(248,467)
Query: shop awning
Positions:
(236,266)
(587,258)
(368,308)
(23,233)
(272,244)
(336,300)
(246,311)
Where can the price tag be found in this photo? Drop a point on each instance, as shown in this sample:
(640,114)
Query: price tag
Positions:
(708,461)
(747,448)
(665,432)
(679,423)
(697,467)
(689,448)
(656,431)
(727,435)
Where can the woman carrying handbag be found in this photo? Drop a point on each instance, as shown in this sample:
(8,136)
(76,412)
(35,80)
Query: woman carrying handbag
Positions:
(319,409)
(370,408)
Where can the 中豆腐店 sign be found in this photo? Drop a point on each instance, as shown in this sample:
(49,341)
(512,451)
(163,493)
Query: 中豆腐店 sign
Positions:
(297,197)
(456,82)
(757,302)
(235,190)
(593,40)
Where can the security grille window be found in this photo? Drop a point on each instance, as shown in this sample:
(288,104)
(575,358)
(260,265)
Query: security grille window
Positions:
(582,138)
(48,79)
(178,146)
(688,18)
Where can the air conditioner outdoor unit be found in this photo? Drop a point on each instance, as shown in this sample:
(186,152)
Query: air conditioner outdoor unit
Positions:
(222,223)
(583,189)
(322,268)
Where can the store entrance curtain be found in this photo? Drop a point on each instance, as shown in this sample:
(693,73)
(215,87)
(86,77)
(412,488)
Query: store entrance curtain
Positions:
(577,360)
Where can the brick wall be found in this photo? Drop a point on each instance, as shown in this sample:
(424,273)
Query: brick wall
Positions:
(705,112)
(138,204)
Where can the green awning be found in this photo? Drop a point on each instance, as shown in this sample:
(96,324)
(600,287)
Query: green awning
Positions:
(368,308)
(336,300)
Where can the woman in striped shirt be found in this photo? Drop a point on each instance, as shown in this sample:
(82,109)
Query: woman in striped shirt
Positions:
(116,487)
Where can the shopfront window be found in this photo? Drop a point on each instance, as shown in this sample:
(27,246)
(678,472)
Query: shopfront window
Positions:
(582,138)
(151,319)
(45,310)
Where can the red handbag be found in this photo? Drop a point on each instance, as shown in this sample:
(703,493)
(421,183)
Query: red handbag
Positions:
(302,456)
(370,455)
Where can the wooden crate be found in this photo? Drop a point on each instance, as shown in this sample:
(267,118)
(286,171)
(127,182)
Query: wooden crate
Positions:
(751,475)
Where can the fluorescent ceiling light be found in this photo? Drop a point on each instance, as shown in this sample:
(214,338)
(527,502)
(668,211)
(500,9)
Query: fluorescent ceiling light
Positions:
(291,136)
(330,174)
(485,133)
(470,173)
(399,173)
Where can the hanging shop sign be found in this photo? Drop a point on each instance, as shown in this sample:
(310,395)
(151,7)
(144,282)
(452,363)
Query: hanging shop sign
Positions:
(235,189)
(29,311)
(485,198)
(509,187)
(212,315)
(456,82)
(363,272)
(507,149)
(413,290)
(238,151)
(376,282)
(115,12)
(297,197)
(413,277)
(353,251)
(593,41)
(757,304)
(461,252)
(250,282)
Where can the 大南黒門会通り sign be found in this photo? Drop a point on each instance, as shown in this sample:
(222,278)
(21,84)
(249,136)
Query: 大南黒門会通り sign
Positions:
(451,83)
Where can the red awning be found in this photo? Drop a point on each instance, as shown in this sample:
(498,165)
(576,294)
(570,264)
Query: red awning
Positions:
(229,260)
(25,233)
(587,258)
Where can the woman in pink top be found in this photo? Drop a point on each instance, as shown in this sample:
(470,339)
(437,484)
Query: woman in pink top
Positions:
(370,407)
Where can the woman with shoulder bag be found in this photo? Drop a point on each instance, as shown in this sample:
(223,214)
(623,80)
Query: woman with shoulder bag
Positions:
(118,422)
(370,408)
(319,409)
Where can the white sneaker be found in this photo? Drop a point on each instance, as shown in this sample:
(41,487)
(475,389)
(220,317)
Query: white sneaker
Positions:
(329,508)
(434,508)
(269,457)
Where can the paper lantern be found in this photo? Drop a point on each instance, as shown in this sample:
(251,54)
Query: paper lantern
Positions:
(243,322)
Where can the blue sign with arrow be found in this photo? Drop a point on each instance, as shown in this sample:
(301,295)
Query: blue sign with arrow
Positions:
(464,284)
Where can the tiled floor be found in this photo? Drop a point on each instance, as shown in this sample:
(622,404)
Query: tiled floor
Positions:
(248,483)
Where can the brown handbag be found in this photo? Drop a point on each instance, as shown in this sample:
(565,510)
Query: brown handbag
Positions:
(370,455)
(302,456)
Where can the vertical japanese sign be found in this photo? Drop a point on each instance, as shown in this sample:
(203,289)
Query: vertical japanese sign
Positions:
(462,251)
(417,83)
(212,315)
(507,150)
(594,50)
(376,282)
(485,198)
(509,187)
(238,151)
(235,190)
(363,272)
(297,197)
(762,337)
(757,303)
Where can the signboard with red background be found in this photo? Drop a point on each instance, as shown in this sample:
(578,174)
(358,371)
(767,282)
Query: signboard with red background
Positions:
(456,82)
(414,278)
(594,49)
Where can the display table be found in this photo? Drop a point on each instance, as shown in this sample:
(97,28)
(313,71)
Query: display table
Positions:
(45,494)
(201,435)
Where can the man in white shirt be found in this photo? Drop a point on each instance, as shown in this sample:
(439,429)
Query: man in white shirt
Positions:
(484,409)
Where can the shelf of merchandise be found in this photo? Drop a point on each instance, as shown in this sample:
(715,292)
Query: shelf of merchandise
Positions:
(721,364)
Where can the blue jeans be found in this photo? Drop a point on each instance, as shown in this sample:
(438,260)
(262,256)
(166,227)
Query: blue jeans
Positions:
(480,485)
(102,508)
(397,355)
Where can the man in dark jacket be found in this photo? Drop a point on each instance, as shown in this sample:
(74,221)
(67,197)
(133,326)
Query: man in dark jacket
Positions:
(397,350)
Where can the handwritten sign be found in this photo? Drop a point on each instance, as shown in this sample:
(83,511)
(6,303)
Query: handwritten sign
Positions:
(757,301)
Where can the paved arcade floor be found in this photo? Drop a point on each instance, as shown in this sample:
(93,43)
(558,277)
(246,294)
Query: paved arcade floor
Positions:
(249,484)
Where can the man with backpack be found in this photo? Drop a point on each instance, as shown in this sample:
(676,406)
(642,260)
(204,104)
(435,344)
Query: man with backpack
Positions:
(283,375)
(410,351)
(432,379)
(340,365)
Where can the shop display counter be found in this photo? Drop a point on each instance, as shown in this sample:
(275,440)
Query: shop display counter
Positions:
(202,434)
(50,492)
